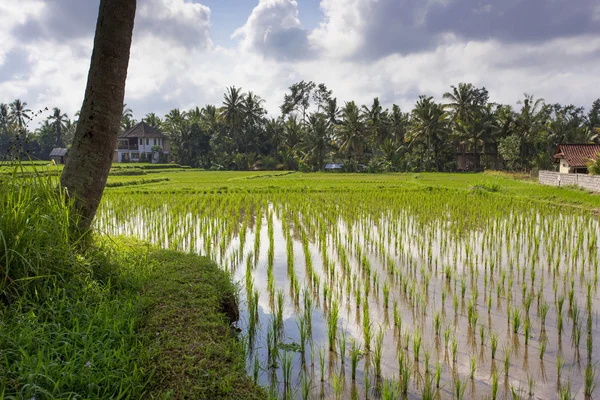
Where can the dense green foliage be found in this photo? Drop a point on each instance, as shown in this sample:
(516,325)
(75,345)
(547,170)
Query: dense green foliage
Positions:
(314,129)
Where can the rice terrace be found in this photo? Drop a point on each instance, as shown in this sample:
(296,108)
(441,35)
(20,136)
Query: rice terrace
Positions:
(418,285)
(316,199)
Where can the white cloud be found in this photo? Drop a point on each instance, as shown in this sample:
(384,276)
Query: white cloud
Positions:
(274,30)
(183,22)
(181,68)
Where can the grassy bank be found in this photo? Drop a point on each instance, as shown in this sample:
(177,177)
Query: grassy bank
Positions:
(107,319)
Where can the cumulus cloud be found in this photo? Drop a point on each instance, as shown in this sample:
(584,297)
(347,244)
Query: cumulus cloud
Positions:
(274,30)
(370,29)
(178,66)
(66,20)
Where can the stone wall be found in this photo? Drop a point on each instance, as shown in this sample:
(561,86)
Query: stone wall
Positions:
(589,182)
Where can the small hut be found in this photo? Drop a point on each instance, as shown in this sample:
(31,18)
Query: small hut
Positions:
(59,155)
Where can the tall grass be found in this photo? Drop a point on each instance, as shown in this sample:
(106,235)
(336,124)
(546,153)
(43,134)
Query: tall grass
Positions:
(37,242)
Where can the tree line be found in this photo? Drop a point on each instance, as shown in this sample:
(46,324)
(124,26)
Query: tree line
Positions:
(314,129)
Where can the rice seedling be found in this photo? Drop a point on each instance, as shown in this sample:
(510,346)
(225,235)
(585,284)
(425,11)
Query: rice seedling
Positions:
(589,381)
(494,343)
(377,353)
(473,367)
(338,385)
(543,344)
(322,364)
(459,389)
(354,358)
(530,385)
(306,386)
(494,385)
(332,323)
(454,349)
(516,320)
(286,368)
(564,392)
(416,343)
(342,346)
(506,360)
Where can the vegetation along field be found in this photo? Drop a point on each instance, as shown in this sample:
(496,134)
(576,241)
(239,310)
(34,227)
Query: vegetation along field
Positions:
(426,285)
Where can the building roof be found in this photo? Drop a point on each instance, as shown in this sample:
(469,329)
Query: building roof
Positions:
(59,152)
(577,155)
(142,129)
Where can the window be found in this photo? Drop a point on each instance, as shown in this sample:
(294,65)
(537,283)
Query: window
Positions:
(135,156)
(154,141)
(147,141)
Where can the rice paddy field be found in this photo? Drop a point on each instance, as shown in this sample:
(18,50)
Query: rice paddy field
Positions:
(384,286)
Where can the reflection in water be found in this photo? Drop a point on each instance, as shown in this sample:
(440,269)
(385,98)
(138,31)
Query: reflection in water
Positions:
(381,294)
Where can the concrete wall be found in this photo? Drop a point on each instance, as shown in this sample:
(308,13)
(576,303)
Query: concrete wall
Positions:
(589,182)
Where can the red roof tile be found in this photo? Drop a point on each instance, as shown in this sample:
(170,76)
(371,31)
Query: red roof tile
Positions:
(577,155)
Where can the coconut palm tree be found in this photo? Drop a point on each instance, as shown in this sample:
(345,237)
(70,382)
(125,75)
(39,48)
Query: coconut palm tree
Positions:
(232,112)
(374,118)
(399,124)
(127,121)
(292,133)
(316,140)
(58,120)
(153,120)
(19,114)
(91,155)
(429,126)
(351,132)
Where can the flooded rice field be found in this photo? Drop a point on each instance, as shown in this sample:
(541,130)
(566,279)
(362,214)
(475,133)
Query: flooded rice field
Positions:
(395,293)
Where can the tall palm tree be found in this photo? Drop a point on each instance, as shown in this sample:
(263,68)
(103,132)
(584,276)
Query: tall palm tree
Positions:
(373,118)
(292,130)
(529,125)
(232,112)
(429,127)
(399,124)
(93,148)
(466,104)
(351,132)
(127,120)
(153,120)
(58,121)
(316,140)
(274,131)
(19,114)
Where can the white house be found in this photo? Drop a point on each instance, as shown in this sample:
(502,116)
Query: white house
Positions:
(141,143)
(574,158)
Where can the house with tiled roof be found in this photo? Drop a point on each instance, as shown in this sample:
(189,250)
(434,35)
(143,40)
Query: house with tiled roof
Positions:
(574,158)
(140,143)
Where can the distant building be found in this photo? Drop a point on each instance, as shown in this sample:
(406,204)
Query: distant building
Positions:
(574,158)
(334,167)
(142,142)
(59,155)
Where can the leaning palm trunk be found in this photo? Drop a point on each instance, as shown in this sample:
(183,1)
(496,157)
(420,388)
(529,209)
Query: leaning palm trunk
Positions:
(94,143)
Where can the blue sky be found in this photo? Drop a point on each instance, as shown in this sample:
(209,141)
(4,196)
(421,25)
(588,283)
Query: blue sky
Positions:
(185,53)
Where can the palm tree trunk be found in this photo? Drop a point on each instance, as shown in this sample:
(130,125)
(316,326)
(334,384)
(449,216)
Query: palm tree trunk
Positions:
(95,140)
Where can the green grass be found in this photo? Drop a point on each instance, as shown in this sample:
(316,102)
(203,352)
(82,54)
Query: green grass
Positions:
(494,184)
(197,355)
(103,318)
